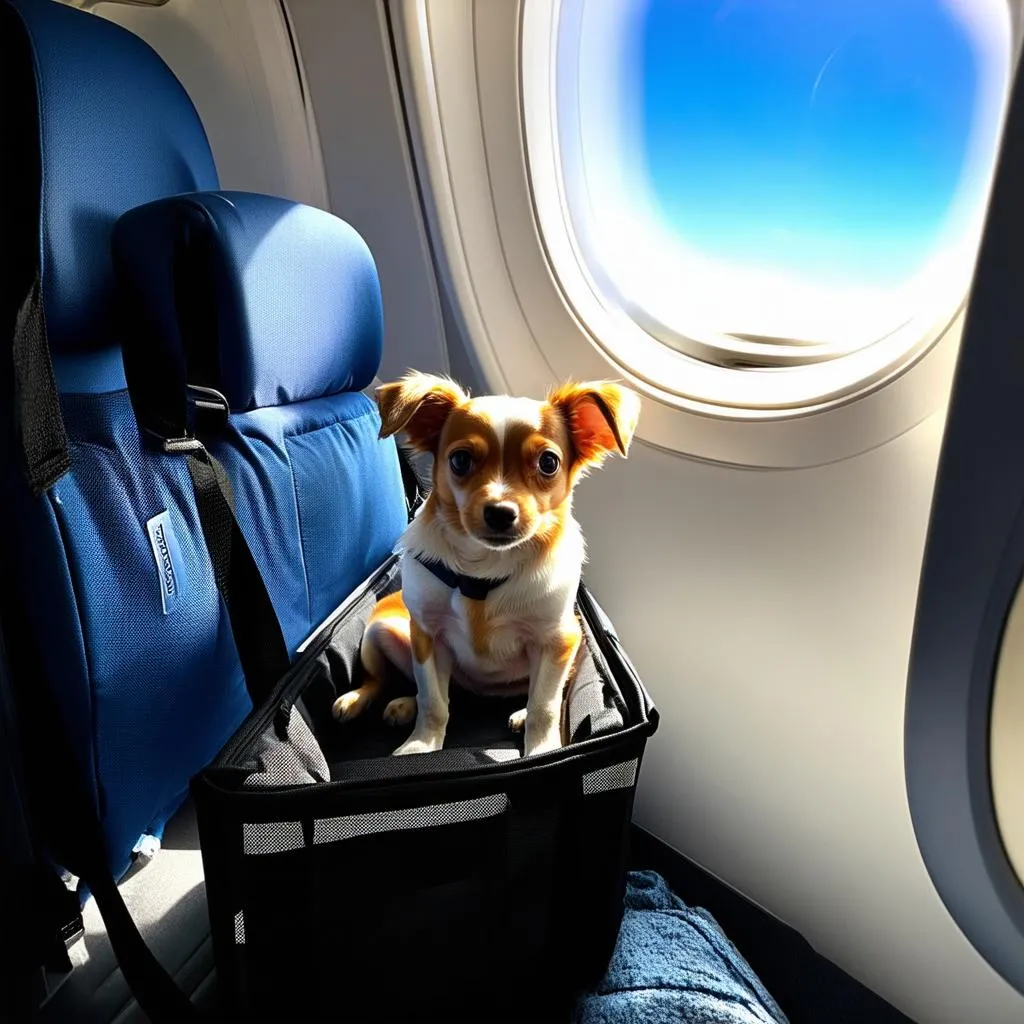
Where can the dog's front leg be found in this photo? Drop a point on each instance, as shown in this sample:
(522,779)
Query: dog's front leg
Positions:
(549,672)
(432,667)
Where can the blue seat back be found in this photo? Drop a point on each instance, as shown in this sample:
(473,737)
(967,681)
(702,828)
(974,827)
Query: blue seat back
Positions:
(149,687)
(277,307)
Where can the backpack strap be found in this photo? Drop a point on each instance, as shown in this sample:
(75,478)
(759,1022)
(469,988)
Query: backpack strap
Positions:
(52,778)
(38,424)
(37,415)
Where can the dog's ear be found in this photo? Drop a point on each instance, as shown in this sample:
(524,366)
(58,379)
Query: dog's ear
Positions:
(419,404)
(601,417)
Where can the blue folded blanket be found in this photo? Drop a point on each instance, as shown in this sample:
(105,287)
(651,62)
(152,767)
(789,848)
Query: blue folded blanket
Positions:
(672,963)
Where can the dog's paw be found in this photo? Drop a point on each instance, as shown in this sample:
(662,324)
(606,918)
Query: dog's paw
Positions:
(400,711)
(541,742)
(517,720)
(422,744)
(349,705)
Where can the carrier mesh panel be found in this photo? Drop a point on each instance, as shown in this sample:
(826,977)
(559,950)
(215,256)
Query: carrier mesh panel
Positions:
(272,837)
(615,776)
(295,760)
(329,830)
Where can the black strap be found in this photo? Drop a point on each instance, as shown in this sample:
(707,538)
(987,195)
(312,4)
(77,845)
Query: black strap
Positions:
(254,623)
(37,415)
(154,989)
(414,490)
(38,424)
(175,404)
(475,588)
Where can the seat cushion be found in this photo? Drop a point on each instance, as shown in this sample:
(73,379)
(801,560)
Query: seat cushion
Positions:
(319,497)
(277,307)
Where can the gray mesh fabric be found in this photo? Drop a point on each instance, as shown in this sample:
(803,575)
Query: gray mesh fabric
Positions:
(295,761)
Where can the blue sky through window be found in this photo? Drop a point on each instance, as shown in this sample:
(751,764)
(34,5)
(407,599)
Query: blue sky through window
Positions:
(826,138)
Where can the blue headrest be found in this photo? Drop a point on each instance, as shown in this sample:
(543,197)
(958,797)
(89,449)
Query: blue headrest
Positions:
(269,301)
(116,130)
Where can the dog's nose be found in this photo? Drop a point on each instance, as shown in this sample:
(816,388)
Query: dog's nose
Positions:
(501,517)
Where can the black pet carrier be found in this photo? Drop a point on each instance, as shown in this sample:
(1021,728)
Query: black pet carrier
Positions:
(468,884)
(344,882)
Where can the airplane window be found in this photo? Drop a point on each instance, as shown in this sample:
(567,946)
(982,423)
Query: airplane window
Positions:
(766,203)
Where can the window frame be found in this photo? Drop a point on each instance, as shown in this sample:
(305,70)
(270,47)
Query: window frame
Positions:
(697,367)
(495,264)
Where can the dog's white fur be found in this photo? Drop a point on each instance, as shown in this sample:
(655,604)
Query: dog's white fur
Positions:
(536,602)
(524,634)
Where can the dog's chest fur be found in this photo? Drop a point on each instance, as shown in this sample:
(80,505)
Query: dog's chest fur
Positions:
(493,642)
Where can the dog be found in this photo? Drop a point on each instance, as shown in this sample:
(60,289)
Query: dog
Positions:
(491,562)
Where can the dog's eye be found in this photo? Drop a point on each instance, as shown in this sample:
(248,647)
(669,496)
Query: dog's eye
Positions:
(460,461)
(548,464)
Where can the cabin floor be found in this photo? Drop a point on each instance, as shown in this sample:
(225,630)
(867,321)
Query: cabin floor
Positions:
(167,899)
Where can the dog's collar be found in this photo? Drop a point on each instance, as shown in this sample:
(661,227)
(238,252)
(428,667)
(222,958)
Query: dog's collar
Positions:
(475,588)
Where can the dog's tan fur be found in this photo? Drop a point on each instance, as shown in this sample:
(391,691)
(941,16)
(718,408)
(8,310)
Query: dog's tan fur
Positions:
(524,635)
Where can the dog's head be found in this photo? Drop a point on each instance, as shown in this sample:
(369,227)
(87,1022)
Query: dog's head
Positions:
(505,468)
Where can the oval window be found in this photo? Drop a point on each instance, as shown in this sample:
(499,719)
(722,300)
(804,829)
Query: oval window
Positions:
(767,204)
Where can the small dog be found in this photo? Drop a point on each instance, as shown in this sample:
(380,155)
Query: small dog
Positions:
(491,563)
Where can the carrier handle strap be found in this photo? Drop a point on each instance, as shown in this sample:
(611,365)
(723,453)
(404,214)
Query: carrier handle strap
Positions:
(156,992)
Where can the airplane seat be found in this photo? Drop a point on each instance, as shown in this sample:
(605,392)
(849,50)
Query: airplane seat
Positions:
(273,309)
(110,586)
(148,682)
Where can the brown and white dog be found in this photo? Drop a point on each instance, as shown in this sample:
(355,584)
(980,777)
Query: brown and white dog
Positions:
(491,563)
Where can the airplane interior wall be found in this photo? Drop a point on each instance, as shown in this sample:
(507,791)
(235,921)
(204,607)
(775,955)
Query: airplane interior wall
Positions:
(769,611)
(775,633)
(346,151)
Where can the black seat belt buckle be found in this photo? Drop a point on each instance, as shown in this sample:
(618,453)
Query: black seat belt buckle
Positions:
(72,930)
(208,408)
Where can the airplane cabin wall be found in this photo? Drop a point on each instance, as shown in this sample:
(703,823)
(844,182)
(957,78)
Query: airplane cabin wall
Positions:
(345,152)
(769,611)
